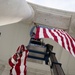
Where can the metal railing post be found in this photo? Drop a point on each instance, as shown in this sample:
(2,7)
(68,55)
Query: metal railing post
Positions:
(55,65)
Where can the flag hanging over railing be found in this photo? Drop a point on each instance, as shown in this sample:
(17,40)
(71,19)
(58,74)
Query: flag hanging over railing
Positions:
(58,35)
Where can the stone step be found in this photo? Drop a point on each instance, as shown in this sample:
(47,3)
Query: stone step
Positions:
(32,69)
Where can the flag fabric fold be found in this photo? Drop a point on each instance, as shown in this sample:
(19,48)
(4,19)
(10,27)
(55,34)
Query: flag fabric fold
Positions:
(58,35)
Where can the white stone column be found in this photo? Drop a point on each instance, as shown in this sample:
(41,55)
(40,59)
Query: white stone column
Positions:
(12,11)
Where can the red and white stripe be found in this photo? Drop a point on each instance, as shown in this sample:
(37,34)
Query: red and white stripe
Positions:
(60,36)
(19,66)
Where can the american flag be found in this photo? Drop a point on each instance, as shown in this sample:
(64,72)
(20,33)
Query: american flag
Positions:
(18,62)
(58,35)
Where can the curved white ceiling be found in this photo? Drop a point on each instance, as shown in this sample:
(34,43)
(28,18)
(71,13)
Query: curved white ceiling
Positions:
(12,11)
(68,5)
